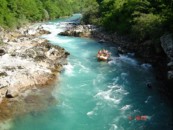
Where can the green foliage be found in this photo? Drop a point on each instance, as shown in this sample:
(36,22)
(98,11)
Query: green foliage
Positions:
(91,14)
(15,13)
(147,26)
(142,19)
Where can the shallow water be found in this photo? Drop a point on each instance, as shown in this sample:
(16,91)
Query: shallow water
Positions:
(95,95)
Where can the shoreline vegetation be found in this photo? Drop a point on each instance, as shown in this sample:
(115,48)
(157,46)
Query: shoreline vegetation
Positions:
(16,13)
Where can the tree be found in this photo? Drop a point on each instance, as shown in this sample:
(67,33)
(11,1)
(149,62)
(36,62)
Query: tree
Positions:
(15,13)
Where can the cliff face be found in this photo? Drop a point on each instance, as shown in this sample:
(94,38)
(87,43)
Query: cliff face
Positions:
(167,45)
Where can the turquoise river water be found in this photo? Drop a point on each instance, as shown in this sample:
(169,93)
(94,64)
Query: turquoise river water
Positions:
(96,95)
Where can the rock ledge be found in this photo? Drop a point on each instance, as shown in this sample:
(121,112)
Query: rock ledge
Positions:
(27,61)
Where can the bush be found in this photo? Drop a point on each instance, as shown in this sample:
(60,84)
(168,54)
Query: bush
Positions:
(10,21)
(147,26)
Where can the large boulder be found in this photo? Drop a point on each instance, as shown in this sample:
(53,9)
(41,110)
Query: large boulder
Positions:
(65,33)
(170,75)
(167,45)
(170,65)
(12,93)
(42,31)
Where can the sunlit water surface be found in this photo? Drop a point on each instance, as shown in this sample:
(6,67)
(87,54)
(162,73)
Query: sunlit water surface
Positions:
(96,95)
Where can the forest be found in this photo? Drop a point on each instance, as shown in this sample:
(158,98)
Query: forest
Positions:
(142,19)
(15,13)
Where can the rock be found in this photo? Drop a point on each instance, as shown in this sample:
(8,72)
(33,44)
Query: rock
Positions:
(28,61)
(102,41)
(68,33)
(121,51)
(29,53)
(3,74)
(170,64)
(2,52)
(25,66)
(170,75)
(12,93)
(67,53)
(167,44)
(42,31)
(1,29)
(6,40)
(31,31)
(78,31)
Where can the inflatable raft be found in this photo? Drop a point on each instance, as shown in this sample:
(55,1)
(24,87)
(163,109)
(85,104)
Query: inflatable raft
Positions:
(103,55)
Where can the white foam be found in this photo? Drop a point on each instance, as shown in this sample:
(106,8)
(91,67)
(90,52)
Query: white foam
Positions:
(90,113)
(69,69)
(99,78)
(131,54)
(128,60)
(116,89)
(146,66)
(148,98)
(94,111)
(124,74)
(107,95)
(54,32)
(66,106)
(113,60)
(124,77)
(126,107)
(136,111)
(115,80)
(113,127)
(114,86)
(83,68)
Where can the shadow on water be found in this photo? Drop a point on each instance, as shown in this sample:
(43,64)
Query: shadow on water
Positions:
(30,102)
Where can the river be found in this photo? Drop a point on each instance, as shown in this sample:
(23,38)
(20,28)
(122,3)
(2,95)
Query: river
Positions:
(96,95)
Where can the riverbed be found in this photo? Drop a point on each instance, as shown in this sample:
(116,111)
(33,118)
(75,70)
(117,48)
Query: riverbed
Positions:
(94,95)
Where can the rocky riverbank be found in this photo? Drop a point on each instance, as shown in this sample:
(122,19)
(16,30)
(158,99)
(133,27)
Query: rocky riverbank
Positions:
(160,56)
(27,63)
